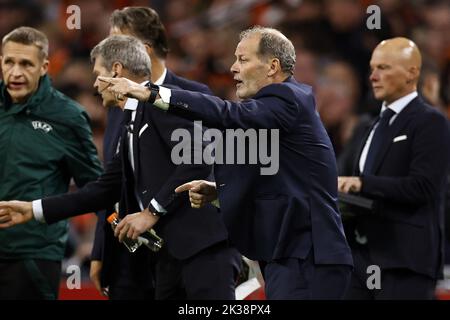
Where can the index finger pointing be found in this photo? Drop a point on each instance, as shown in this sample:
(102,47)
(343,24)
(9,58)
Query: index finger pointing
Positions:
(107,79)
(184,187)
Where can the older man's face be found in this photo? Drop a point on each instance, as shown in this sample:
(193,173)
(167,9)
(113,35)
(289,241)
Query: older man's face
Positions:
(108,98)
(250,71)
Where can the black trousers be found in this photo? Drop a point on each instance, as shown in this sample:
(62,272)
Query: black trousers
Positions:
(302,279)
(30,279)
(209,274)
(395,284)
(132,274)
(130,292)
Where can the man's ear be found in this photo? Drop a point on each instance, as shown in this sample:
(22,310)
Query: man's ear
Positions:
(44,67)
(274,67)
(117,69)
(149,49)
(413,74)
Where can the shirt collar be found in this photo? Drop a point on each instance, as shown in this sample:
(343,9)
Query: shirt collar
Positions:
(160,80)
(131,103)
(398,105)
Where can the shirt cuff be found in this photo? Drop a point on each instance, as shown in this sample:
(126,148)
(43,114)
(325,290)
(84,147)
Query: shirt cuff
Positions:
(157,206)
(38,211)
(165,94)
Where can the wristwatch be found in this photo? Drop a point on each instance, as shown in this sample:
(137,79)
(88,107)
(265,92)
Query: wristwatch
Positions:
(153,211)
(154,90)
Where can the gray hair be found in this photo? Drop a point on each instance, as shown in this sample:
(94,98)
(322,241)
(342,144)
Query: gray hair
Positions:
(273,44)
(28,36)
(127,50)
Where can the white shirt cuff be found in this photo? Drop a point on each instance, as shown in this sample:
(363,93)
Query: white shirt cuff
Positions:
(165,94)
(38,211)
(157,206)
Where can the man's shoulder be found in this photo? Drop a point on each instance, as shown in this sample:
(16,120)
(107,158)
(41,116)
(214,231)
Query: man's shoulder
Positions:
(425,111)
(426,118)
(63,108)
(287,89)
(186,84)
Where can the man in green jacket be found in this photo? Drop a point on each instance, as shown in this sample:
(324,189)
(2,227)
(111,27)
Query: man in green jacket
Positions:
(45,140)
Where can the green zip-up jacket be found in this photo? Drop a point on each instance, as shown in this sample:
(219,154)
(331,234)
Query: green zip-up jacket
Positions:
(43,144)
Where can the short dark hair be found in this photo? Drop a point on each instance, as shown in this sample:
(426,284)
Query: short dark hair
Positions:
(143,23)
(28,36)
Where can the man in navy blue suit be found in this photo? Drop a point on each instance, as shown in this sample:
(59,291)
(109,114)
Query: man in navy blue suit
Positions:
(402,165)
(288,220)
(112,267)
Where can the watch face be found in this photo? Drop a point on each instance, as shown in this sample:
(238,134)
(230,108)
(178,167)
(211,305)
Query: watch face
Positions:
(154,90)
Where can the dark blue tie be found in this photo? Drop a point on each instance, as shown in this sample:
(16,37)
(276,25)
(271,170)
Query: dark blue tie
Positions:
(127,120)
(377,139)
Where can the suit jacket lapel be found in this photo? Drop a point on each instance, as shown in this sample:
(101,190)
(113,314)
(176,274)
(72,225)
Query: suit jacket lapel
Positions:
(356,170)
(136,128)
(398,124)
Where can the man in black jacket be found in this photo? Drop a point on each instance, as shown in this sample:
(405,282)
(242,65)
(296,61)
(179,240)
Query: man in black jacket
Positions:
(113,267)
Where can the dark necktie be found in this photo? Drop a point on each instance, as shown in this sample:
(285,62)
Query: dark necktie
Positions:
(127,120)
(377,139)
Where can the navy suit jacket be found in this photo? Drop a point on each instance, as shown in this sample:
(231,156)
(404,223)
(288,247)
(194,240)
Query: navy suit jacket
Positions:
(409,184)
(295,210)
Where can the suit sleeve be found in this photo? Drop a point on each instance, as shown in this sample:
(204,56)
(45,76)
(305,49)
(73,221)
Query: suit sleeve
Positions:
(94,196)
(97,247)
(428,166)
(165,124)
(274,107)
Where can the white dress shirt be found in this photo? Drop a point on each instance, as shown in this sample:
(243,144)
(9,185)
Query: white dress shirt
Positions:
(397,106)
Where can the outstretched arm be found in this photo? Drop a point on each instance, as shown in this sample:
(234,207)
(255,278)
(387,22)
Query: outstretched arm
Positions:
(273,107)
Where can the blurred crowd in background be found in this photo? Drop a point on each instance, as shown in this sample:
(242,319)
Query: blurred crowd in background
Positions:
(331,37)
